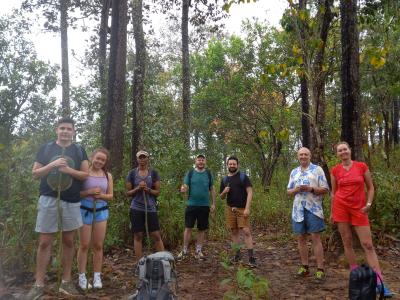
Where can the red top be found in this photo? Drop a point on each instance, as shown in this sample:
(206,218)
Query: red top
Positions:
(350,188)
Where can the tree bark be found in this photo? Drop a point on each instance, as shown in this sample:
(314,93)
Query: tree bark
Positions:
(185,73)
(395,126)
(65,101)
(351,102)
(114,131)
(305,104)
(138,80)
(103,33)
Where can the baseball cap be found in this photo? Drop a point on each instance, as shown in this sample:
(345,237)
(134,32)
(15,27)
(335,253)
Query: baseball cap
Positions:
(200,155)
(142,152)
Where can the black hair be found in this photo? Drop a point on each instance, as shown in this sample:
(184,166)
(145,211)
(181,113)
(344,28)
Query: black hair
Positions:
(66,120)
(232,158)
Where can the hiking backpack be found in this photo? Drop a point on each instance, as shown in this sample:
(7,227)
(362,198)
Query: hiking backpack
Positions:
(190,175)
(241,175)
(157,277)
(362,284)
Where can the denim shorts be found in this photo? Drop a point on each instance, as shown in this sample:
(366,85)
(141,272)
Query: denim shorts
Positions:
(310,224)
(47,217)
(87,215)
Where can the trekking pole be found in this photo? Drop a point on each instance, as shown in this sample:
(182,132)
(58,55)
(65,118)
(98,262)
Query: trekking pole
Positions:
(145,221)
(60,222)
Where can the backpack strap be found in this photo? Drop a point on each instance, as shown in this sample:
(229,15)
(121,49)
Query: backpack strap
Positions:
(242,176)
(190,175)
(78,148)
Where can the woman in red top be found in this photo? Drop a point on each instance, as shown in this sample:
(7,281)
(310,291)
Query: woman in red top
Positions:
(350,206)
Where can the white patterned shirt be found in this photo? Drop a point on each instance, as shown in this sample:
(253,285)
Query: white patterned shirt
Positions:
(313,176)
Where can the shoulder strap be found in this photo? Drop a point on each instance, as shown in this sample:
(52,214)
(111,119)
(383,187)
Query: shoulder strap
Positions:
(242,177)
(209,179)
(190,175)
(80,150)
(47,149)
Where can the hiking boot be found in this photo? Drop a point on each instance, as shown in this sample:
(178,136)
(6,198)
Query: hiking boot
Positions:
(68,288)
(35,292)
(319,275)
(302,272)
(252,262)
(386,292)
(83,283)
(199,255)
(97,284)
(182,255)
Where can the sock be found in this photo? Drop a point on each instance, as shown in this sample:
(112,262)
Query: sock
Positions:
(96,275)
(64,281)
(185,249)
(320,269)
(39,284)
(305,267)
(198,248)
(250,252)
(82,275)
(352,267)
(379,277)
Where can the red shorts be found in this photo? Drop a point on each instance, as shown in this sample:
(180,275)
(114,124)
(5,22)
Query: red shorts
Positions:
(342,213)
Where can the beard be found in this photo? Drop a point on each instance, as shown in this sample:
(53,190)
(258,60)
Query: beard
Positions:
(232,170)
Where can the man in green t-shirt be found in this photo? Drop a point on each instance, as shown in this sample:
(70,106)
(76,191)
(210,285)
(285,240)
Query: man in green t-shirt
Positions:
(199,183)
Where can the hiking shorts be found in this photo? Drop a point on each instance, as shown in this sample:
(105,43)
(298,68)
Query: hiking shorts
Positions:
(197,214)
(138,219)
(47,217)
(235,219)
(310,224)
(342,213)
(87,215)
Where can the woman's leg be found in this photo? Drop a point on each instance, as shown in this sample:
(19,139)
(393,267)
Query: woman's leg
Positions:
(84,243)
(138,238)
(99,233)
(347,239)
(158,243)
(364,234)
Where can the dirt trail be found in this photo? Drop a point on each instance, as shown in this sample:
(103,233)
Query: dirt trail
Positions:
(277,261)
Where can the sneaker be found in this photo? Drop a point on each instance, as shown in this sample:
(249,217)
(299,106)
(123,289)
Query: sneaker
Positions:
(252,262)
(35,292)
(68,288)
(199,255)
(236,258)
(182,255)
(386,292)
(83,283)
(303,272)
(319,275)
(97,284)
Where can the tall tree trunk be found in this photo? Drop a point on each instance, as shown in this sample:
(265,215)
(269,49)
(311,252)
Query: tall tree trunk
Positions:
(65,101)
(103,32)
(351,102)
(396,117)
(185,73)
(305,104)
(138,79)
(114,131)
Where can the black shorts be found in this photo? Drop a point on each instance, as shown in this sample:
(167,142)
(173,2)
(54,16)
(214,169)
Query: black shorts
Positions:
(138,221)
(199,214)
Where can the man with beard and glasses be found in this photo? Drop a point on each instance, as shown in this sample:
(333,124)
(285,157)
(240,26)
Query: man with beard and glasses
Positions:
(199,183)
(236,188)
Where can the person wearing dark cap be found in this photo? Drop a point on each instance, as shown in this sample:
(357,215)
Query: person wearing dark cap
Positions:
(198,183)
(143,186)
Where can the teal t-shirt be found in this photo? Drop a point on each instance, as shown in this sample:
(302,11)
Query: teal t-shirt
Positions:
(199,193)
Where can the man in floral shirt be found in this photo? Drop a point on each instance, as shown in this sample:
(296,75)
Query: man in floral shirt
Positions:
(308,184)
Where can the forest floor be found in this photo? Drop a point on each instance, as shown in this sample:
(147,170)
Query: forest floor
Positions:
(200,280)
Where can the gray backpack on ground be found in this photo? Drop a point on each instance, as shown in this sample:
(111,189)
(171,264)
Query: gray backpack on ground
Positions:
(157,277)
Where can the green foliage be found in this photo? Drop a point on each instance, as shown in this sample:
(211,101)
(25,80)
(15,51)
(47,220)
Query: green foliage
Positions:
(242,282)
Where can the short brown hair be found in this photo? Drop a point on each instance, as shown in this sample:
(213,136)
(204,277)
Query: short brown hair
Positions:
(65,120)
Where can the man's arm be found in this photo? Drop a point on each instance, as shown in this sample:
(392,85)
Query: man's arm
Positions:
(39,170)
(249,191)
(212,193)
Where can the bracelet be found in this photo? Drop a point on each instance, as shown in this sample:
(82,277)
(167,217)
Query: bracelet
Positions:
(369,204)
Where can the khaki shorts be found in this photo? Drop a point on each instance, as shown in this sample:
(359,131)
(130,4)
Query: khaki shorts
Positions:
(235,220)
(47,217)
